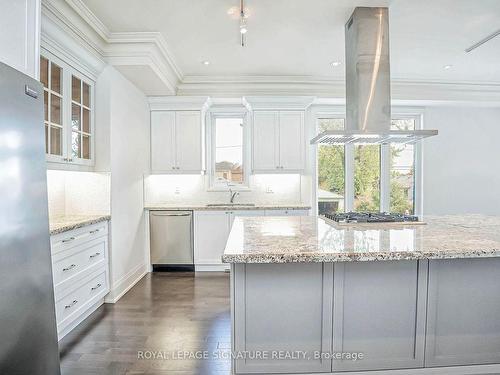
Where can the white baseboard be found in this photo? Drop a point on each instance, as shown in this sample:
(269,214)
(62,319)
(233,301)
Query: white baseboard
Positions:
(211,267)
(455,370)
(80,319)
(125,283)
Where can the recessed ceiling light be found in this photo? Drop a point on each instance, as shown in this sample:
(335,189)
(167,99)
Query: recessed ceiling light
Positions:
(446,67)
(335,63)
(205,62)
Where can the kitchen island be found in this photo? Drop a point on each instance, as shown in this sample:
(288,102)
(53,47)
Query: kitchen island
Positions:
(313,296)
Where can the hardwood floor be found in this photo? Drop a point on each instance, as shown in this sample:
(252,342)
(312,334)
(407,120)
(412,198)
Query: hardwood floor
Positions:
(161,315)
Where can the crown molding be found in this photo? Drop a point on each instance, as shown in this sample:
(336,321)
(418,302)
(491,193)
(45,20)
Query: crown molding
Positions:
(119,49)
(278,102)
(162,103)
(409,90)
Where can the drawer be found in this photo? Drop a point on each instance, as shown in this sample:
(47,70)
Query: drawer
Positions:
(68,264)
(72,238)
(70,304)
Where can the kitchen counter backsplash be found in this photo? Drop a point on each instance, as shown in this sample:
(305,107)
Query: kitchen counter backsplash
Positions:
(194,190)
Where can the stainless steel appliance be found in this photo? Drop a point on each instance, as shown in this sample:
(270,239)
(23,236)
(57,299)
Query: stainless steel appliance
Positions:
(368,85)
(28,342)
(171,240)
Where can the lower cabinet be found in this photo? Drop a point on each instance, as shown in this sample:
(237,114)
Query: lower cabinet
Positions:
(80,272)
(211,230)
(379,310)
(463,318)
(283,308)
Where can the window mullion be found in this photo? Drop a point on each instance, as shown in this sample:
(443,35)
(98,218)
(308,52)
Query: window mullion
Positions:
(349,178)
(385,178)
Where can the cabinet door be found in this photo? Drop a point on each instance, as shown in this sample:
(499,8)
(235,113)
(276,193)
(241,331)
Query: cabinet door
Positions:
(211,232)
(463,310)
(379,310)
(188,141)
(265,141)
(162,141)
(283,307)
(291,140)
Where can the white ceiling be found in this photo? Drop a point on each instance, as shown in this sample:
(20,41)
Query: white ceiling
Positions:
(302,37)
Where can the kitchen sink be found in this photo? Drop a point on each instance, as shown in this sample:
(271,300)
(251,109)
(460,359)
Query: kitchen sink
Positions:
(231,205)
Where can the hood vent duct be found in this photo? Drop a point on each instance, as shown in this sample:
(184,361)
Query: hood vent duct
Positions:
(368,84)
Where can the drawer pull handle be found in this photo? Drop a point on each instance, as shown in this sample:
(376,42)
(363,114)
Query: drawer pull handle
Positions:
(68,239)
(95,255)
(96,287)
(69,268)
(94,231)
(71,304)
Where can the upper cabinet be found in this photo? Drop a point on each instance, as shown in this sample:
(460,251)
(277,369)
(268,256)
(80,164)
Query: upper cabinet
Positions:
(69,113)
(278,141)
(176,142)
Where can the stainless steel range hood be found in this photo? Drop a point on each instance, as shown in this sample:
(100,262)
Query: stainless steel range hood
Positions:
(368,84)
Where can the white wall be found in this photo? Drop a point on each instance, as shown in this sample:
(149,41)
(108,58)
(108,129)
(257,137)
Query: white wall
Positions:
(122,119)
(20,35)
(461,164)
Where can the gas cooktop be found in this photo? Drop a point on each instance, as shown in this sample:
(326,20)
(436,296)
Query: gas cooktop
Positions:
(370,217)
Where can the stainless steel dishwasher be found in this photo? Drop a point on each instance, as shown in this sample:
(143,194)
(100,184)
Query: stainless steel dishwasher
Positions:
(171,240)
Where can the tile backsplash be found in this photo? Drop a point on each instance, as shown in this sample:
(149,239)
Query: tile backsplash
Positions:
(78,193)
(194,189)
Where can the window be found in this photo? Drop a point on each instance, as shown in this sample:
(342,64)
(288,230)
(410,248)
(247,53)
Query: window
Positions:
(68,107)
(228,151)
(402,171)
(331,167)
(367,177)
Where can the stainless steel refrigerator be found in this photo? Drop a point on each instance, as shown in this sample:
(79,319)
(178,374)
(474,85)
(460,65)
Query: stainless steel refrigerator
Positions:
(28,335)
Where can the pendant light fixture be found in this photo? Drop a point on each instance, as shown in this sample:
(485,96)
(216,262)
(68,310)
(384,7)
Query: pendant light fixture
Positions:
(243,24)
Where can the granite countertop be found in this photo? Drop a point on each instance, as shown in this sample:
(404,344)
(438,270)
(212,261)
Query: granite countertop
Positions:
(60,224)
(223,207)
(311,239)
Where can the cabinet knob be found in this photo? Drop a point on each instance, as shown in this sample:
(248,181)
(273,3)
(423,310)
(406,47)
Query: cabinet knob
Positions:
(95,255)
(68,240)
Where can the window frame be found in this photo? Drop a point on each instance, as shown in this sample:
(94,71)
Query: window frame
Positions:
(213,115)
(66,94)
(416,114)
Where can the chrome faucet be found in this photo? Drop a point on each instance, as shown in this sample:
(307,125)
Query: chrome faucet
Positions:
(234,194)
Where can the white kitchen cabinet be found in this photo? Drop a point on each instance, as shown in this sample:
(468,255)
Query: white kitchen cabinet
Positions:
(211,230)
(68,113)
(20,36)
(176,142)
(287,212)
(265,141)
(80,273)
(278,141)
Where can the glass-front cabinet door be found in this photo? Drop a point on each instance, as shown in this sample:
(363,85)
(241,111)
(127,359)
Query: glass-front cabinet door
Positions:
(51,76)
(69,112)
(81,114)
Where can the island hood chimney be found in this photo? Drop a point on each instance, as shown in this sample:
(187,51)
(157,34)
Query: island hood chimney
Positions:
(368,84)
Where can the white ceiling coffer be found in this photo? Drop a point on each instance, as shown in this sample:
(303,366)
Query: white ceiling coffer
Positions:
(368,84)
(243,23)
